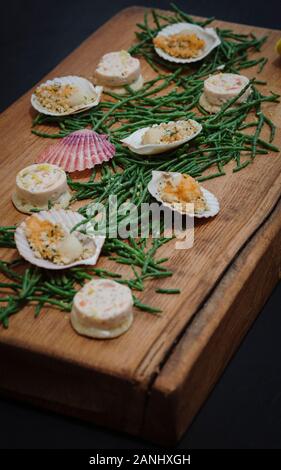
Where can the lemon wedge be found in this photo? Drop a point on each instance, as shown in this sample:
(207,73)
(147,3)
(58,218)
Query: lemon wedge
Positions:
(278,46)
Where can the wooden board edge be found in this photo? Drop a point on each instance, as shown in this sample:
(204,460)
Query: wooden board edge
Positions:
(134,399)
(216,331)
(161,412)
(90,395)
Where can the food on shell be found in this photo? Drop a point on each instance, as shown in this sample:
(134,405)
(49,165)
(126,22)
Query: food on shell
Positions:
(39,187)
(162,137)
(52,242)
(185,42)
(116,70)
(222,87)
(65,95)
(46,239)
(102,309)
(79,150)
(183,194)
(183,45)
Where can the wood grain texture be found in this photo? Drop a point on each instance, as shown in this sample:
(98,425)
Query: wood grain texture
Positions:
(211,338)
(107,381)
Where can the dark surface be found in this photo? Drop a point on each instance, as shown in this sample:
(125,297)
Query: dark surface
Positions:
(244,410)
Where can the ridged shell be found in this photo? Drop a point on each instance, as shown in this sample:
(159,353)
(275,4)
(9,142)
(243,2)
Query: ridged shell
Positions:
(82,83)
(209,35)
(210,199)
(134,140)
(67,219)
(78,151)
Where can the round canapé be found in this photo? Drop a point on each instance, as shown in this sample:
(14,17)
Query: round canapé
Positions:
(102,309)
(40,186)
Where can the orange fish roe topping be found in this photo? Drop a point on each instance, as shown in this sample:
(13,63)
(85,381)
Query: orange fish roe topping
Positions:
(183,45)
(43,236)
(186,190)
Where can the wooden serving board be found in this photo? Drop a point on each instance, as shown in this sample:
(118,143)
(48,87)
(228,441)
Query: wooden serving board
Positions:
(151,381)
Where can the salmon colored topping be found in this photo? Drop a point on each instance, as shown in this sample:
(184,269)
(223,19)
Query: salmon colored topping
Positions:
(183,45)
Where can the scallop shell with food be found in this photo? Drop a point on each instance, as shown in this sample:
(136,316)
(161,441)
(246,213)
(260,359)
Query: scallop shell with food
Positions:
(208,35)
(78,151)
(66,220)
(156,184)
(63,96)
(160,138)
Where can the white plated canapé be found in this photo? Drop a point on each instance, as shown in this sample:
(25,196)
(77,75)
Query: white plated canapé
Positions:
(48,239)
(183,194)
(206,36)
(102,309)
(63,96)
(161,138)
(39,186)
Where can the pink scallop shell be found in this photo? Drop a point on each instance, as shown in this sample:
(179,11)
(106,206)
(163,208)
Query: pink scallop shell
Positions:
(79,150)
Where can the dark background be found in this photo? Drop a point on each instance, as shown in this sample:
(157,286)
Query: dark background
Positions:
(244,410)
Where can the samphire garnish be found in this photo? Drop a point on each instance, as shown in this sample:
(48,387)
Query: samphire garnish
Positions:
(24,284)
(221,141)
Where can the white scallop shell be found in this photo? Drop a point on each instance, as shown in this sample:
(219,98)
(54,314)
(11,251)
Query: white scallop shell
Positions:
(212,203)
(74,80)
(209,35)
(134,140)
(67,219)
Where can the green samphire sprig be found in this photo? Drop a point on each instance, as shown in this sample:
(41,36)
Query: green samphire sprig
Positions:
(172,94)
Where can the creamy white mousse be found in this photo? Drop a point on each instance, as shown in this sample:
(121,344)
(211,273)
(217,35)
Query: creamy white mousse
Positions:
(117,69)
(222,87)
(39,186)
(102,309)
(135,86)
